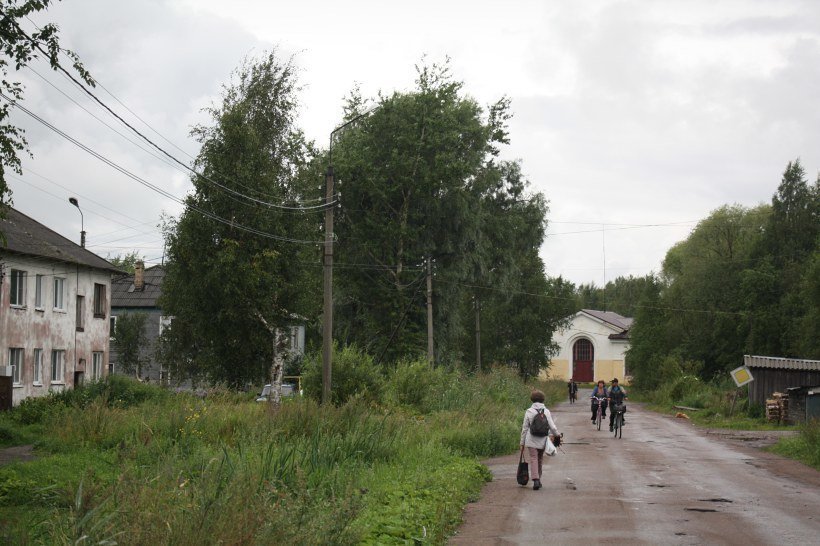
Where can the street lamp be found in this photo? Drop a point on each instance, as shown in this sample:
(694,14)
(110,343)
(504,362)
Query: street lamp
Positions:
(73,201)
(327,322)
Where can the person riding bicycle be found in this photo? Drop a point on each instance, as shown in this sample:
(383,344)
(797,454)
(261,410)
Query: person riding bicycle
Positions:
(617,394)
(600,391)
(572,386)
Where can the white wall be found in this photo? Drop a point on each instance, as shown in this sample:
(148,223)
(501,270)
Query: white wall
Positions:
(585,327)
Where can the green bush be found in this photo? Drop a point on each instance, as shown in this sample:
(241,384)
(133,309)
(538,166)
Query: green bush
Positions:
(416,384)
(354,374)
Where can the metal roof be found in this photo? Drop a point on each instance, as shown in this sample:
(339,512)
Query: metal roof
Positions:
(624,323)
(123,293)
(24,235)
(780,363)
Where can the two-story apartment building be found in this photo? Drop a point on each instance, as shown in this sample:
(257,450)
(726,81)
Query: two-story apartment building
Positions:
(54,309)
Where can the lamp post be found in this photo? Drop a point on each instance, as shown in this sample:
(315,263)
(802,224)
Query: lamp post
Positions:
(73,201)
(327,321)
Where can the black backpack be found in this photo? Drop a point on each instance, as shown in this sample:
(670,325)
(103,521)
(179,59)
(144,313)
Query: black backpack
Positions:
(539,425)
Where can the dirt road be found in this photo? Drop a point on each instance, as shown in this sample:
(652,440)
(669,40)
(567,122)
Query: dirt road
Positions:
(664,482)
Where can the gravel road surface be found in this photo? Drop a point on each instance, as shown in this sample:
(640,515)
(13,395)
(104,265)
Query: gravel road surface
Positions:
(664,482)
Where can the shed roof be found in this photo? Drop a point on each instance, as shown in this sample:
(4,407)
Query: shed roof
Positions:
(616,320)
(776,362)
(24,235)
(123,293)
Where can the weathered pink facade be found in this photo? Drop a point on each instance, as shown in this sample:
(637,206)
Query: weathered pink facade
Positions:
(48,328)
(54,309)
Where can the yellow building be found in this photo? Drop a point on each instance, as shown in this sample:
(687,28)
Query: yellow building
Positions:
(592,347)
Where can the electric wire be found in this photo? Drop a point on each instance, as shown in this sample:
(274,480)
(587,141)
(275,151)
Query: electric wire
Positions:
(56,65)
(151,186)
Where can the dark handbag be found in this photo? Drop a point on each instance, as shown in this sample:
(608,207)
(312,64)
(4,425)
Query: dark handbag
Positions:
(523,471)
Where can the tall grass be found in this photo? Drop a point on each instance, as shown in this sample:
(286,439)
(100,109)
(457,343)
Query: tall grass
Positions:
(131,463)
(804,447)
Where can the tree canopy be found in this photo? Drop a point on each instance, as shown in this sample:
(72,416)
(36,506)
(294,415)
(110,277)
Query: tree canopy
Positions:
(234,260)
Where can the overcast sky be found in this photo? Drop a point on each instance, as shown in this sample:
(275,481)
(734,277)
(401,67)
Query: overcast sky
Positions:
(634,118)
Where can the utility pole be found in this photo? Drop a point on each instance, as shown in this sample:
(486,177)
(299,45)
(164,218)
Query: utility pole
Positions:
(430,353)
(327,322)
(478,334)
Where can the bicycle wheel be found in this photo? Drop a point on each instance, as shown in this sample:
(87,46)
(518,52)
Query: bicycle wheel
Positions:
(598,421)
(616,424)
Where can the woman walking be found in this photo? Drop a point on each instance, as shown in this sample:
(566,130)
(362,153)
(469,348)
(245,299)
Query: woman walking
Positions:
(534,435)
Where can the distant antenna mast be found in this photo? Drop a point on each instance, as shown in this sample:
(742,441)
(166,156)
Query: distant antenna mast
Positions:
(603,243)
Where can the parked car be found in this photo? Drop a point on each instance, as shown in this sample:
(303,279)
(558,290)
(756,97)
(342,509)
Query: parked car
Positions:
(288,389)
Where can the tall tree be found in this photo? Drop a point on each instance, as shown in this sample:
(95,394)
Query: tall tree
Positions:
(405,178)
(19,48)
(224,283)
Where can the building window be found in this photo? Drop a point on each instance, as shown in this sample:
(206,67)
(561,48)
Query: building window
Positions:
(17,296)
(38,292)
(112,327)
(99,300)
(80,313)
(16,363)
(164,323)
(38,367)
(58,366)
(96,366)
(59,288)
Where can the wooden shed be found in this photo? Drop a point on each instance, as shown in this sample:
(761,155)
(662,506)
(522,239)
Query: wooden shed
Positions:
(775,374)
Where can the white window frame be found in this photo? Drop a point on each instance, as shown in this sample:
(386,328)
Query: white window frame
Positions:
(17,358)
(38,293)
(59,294)
(38,367)
(17,288)
(58,366)
(96,365)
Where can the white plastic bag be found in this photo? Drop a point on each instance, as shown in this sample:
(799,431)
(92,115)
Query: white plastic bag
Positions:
(550,450)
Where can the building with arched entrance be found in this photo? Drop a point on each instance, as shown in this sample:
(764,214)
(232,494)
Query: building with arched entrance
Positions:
(592,347)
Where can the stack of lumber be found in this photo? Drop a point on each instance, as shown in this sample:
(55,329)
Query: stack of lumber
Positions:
(777,408)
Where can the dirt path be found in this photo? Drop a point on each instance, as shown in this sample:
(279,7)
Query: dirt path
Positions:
(16,453)
(665,482)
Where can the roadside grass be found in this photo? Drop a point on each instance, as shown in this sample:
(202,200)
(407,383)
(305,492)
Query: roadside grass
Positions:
(124,462)
(711,404)
(804,447)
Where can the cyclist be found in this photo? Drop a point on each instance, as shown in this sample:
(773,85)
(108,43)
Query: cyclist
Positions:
(617,395)
(600,391)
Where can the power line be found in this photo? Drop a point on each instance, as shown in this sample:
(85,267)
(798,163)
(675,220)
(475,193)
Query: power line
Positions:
(56,65)
(151,186)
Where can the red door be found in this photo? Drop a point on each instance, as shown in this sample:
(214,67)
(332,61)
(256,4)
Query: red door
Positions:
(583,356)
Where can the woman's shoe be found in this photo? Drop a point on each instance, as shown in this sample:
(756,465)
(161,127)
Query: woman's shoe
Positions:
(536,485)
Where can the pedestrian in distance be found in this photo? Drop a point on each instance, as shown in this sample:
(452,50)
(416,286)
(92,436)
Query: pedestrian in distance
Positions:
(535,431)
(572,386)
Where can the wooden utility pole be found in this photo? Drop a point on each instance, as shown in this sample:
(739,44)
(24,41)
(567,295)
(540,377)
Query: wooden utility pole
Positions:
(478,334)
(327,319)
(430,353)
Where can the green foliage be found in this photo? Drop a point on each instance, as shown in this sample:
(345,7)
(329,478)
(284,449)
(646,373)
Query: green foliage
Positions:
(354,375)
(18,50)
(125,262)
(745,281)
(131,337)
(175,468)
(805,447)
(222,280)
(421,182)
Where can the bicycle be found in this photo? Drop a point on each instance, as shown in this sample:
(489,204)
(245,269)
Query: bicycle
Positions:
(618,420)
(599,417)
